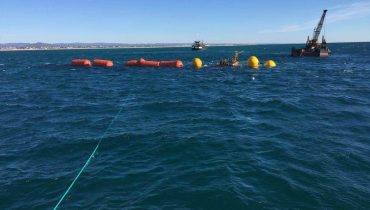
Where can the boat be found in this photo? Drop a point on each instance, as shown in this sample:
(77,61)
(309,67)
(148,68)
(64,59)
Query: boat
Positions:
(199,45)
(313,48)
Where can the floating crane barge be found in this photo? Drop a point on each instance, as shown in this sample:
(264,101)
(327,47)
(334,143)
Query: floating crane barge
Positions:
(313,48)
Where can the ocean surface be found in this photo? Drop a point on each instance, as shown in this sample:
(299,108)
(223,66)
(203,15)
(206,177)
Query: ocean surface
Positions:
(293,137)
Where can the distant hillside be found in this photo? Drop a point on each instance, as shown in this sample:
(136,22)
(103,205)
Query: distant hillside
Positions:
(98,45)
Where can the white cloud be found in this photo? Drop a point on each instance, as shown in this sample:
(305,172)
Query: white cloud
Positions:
(337,14)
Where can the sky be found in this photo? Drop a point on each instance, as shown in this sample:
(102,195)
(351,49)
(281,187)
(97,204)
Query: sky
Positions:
(181,21)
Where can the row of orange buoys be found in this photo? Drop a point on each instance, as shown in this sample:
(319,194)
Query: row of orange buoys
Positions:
(141,63)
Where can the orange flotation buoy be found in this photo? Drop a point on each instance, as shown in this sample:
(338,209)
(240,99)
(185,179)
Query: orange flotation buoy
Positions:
(176,64)
(132,63)
(103,63)
(144,63)
(81,62)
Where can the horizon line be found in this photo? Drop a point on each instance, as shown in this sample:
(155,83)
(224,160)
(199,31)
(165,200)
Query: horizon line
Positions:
(173,43)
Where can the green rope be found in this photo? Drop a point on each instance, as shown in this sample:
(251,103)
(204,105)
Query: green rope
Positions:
(88,160)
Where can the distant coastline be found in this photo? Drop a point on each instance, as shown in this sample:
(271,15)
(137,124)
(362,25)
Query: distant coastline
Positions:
(4,47)
(81,48)
(85,46)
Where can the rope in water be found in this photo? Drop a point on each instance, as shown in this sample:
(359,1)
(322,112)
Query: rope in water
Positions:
(89,159)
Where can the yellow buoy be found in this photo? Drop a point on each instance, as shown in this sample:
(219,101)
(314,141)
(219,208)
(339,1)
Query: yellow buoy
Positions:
(253,62)
(270,64)
(197,63)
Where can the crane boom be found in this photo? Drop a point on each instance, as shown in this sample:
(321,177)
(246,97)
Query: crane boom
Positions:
(317,30)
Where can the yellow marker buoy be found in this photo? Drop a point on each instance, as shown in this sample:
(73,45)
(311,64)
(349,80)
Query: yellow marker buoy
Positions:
(197,63)
(253,62)
(270,64)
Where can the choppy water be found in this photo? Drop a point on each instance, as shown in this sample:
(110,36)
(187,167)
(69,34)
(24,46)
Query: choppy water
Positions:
(296,137)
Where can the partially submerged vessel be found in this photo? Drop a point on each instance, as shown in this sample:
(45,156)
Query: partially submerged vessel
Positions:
(313,48)
(199,45)
(233,62)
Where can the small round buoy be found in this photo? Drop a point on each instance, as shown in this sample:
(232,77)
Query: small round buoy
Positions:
(270,64)
(253,62)
(197,63)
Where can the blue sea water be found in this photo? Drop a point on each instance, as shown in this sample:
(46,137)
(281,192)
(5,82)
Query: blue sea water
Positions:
(295,137)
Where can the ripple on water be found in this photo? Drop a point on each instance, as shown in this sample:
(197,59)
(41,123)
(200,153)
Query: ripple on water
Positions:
(293,137)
